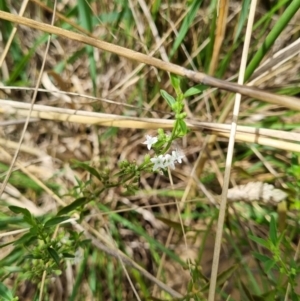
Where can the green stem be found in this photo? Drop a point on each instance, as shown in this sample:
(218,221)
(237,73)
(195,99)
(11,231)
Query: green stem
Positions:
(173,136)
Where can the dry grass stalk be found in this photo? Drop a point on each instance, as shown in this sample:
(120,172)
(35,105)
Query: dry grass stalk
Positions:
(244,133)
(236,109)
(286,101)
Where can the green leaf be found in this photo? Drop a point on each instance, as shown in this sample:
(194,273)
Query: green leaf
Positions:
(273,231)
(88,168)
(77,203)
(175,81)
(182,126)
(55,220)
(26,214)
(222,277)
(84,243)
(269,265)
(54,255)
(260,241)
(85,12)
(68,255)
(28,237)
(188,20)
(20,180)
(198,89)
(5,293)
(267,261)
(170,99)
(31,256)
(242,19)
(21,65)
(261,257)
(17,210)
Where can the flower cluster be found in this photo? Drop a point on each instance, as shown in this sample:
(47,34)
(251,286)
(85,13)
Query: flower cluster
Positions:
(163,161)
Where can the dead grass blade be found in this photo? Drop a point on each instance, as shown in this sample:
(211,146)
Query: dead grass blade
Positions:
(222,212)
(220,34)
(244,133)
(286,101)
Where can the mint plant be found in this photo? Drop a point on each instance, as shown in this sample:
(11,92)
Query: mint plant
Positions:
(46,248)
(280,268)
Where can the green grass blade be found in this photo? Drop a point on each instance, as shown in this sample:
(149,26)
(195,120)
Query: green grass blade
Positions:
(186,25)
(242,19)
(18,70)
(268,16)
(139,230)
(272,36)
(85,17)
(5,293)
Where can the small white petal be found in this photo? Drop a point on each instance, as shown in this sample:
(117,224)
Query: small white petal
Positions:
(169,161)
(150,141)
(158,162)
(177,156)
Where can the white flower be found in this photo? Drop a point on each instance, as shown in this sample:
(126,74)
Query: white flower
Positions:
(150,141)
(169,161)
(158,162)
(177,156)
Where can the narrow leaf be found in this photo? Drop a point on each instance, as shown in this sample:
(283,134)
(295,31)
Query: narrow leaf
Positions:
(17,210)
(5,293)
(54,255)
(186,25)
(170,99)
(88,168)
(28,237)
(242,19)
(267,262)
(31,256)
(261,257)
(68,255)
(183,127)
(55,220)
(84,11)
(175,81)
(77,203)
(222,277)
(273,231)
(259,240)
(269,265)
(26,214)
(198,89)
